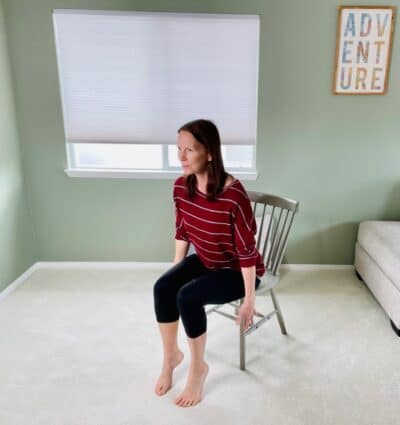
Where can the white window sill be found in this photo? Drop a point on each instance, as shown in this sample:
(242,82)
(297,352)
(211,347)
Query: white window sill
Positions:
(137,174)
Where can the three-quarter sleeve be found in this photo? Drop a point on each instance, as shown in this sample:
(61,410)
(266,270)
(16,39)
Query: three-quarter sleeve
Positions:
(180,233)
(244,231)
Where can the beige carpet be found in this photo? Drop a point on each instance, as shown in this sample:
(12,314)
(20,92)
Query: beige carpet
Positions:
(80,347)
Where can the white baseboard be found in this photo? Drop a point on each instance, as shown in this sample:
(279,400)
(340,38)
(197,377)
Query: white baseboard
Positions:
(309,267)
(122,265)
(102,265)
(17,282)
(128,265)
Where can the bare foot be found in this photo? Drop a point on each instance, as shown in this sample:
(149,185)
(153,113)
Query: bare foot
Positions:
(192,394)
(164,381)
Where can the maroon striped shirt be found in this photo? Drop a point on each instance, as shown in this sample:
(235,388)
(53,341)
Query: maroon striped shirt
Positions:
(222,231)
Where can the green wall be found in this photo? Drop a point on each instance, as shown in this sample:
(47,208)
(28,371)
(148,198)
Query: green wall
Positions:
(16,231)
(338,155)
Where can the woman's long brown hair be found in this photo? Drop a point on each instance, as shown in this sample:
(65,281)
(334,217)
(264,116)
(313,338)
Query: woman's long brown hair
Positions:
(206,133)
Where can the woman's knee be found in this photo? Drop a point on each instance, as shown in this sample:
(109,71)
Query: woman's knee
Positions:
(161,286)
(186,297)
(164,301)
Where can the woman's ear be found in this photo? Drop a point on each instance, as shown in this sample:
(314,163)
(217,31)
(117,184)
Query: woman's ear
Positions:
(209,158)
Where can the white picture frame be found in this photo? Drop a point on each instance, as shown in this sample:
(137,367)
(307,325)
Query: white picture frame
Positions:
(363,49)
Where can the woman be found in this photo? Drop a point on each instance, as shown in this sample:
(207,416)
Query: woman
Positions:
(213,212)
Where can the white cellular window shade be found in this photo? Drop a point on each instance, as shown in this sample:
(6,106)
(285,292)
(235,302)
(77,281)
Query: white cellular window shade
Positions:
(136,77)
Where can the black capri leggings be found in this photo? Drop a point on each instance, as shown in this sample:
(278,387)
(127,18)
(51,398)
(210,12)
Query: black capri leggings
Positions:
(188,286)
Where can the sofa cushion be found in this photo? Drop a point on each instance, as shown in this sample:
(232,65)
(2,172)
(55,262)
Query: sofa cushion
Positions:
(381,240)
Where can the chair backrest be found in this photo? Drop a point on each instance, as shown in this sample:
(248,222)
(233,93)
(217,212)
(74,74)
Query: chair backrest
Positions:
(273,226)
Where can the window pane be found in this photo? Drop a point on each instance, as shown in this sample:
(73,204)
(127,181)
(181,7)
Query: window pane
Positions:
(233,156)
(173,160)
(101,155)
(238,156)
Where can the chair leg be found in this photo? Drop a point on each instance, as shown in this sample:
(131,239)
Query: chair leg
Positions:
(278,312)
(242,343)
(242,350)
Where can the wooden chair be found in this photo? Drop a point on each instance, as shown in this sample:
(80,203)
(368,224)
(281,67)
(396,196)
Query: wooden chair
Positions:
(272,235)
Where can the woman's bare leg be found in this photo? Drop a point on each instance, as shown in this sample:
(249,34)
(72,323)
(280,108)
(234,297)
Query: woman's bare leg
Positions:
(192,394)
(172,356)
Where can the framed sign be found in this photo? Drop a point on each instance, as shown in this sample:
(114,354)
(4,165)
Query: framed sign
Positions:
(363,49)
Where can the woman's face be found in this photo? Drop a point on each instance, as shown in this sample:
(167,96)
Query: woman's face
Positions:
(192,154)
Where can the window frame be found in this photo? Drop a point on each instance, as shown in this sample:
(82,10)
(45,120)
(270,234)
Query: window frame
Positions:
(167,172)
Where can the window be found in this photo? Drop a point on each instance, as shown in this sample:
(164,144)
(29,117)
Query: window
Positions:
(129,80)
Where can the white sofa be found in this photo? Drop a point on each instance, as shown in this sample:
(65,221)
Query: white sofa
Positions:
(377,263)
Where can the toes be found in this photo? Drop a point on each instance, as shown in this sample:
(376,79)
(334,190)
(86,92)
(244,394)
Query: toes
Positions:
(161,389)
(184,402)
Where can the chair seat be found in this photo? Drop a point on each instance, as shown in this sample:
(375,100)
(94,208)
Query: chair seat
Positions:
(267,282)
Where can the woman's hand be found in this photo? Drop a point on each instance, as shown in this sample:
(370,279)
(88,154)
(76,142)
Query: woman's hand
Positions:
(246,313)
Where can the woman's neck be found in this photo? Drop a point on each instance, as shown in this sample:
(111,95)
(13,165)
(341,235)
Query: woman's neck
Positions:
(202,180)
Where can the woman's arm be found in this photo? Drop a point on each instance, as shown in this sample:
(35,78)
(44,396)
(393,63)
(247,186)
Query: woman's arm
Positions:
(181,249)
(249,277)
(246,310)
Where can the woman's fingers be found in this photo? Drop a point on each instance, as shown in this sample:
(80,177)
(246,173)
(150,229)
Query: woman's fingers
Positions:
(246,319)
(246,323)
